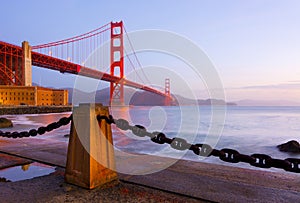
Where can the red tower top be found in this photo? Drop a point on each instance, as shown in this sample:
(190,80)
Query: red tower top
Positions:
(117,63)
(167,92)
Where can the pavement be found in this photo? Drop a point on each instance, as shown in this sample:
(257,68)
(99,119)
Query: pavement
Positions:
(52,188)
(182,181)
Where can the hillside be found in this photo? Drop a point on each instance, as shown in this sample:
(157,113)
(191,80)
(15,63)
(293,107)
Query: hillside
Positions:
(137,98)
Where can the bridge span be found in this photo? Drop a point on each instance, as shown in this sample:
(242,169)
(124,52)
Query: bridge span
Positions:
(16,61)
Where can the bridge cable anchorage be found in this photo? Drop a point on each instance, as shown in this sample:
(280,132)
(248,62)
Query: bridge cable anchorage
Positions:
(226,154)
(41,130)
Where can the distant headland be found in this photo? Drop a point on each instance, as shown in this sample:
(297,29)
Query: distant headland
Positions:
(141,98)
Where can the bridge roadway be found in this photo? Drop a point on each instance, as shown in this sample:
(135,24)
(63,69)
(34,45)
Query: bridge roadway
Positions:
(45,61)
(63,66)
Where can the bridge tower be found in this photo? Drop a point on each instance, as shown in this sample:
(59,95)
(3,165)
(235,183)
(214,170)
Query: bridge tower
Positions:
(117,63)
(167,92)
(26,64)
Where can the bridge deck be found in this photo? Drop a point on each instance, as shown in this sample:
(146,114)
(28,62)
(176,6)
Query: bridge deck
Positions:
(45,61)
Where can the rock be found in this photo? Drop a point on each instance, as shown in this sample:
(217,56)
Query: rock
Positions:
(67,135)
(5,123)
(4,180)
(290,146)
(67,188)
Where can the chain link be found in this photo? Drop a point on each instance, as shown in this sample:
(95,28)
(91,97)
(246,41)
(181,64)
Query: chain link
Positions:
(41,130)
(179,144)
(227,155)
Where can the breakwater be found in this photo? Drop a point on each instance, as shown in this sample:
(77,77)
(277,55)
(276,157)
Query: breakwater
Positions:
(8,110)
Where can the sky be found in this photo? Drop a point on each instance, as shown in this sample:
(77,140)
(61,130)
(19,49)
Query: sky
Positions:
(254,45)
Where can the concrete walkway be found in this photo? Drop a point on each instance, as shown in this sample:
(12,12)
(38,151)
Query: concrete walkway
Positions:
(52,188)
(196,181)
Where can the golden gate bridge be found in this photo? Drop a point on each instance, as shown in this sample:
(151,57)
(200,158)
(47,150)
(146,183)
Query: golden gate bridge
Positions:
(69,56)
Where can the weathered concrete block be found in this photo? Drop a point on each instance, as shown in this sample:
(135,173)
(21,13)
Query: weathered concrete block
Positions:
(90,160)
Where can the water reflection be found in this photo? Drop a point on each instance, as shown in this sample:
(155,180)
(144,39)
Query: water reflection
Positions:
(25,167)
(25,172)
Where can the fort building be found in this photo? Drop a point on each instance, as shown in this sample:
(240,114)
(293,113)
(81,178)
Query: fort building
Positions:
(32,95)
(16,80)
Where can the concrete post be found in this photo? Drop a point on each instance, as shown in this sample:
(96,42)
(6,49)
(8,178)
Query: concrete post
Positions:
(27,65)
(90,160)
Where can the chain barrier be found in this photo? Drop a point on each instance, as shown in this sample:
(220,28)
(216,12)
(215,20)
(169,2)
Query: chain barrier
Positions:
(226,154)
(40,131)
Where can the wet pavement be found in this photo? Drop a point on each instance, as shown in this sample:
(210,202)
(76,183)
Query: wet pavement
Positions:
(10,161)
(26,171)
(52,188)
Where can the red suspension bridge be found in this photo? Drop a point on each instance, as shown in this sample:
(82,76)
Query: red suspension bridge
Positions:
(86,55)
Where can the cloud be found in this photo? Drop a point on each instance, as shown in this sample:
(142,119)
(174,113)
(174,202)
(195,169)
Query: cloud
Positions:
(294,81)
(284,91)
(275,86)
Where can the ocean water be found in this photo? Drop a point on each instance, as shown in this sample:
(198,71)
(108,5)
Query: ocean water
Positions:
(246,129)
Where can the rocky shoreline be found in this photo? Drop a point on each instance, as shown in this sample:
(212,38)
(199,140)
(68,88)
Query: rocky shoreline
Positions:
(291,146)
(8,110)
(5,123)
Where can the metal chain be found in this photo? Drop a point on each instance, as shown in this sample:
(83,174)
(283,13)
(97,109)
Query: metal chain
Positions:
(41,130)
(227,155)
